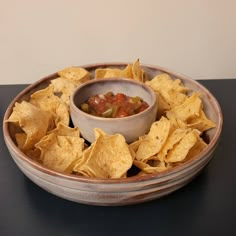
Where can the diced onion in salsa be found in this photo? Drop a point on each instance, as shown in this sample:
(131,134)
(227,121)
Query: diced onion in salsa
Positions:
(114,105)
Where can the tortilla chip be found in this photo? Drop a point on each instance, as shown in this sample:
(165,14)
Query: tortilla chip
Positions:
(101,73)
(109,157)
(32,120)
(201,122)
(170,93)
(76,75)
(157,166)
(64,130)
(155,139)
(180,150)
(172,140)
(165,82)
(46,100)
(137,72)
(189,109)
(133,71)
(60,153)
(163,106)
(63,88)
(198,147)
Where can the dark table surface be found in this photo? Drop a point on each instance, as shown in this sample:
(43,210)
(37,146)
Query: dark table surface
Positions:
(206,206)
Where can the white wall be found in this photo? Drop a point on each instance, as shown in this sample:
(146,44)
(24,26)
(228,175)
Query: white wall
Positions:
(193,37)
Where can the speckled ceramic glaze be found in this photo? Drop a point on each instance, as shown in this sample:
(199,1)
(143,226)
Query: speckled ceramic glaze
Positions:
(130,127)
(111,192)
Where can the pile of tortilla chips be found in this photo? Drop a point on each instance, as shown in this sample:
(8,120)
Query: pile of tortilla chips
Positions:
(133,71)
(45,134)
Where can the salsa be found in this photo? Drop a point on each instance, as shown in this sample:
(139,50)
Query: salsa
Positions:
(112,105)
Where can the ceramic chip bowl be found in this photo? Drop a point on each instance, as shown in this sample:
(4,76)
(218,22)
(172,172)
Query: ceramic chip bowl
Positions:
(111,192)
(124,125)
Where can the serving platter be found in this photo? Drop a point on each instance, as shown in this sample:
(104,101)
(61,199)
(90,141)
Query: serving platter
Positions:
(137,189)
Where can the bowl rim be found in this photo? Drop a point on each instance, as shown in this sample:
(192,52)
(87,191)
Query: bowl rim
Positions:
(134,179)
(116,80)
